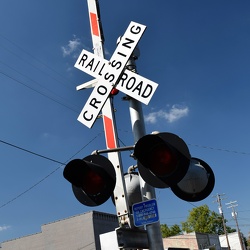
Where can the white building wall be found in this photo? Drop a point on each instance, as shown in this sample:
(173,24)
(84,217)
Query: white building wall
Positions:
(74,233)
(233,239)
(193,241)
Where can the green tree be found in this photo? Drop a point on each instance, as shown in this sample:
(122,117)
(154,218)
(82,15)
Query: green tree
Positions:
(248,240)
(203,220)
(167,232)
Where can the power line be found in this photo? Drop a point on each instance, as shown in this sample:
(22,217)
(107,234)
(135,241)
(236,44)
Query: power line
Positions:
(27,190)
(48,175)
(26,85)
(38,68)
(35,58)
(30,152)
(41,93)
(202,146)
(219,149)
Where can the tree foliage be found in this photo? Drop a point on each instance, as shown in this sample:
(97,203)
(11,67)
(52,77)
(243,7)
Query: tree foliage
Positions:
(248,239)
(203,220)
(172,231)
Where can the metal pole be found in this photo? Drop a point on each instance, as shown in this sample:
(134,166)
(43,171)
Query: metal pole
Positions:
(147,191)
(234,214)
(218,200)
(110,129)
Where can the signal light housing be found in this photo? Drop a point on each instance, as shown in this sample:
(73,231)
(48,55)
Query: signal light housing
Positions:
(163,159)
(132,183)
(197,184)
(93,179)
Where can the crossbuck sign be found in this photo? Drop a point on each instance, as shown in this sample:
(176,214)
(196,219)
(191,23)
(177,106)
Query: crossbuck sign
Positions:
(111,74)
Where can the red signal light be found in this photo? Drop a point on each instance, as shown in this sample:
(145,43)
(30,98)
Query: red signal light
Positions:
(93,183)
(93,179)
(163,159)
(114,91)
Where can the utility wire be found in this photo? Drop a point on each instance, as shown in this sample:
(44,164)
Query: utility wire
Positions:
(27,190)
(30,152)
(24,84)
(47,158)
(38,68)
(35,58)
(199,146)
(219,149)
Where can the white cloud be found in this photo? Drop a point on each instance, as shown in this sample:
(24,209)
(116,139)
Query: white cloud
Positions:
(175,113)
(45,135)
(3,228)
(107,53)
(72,47)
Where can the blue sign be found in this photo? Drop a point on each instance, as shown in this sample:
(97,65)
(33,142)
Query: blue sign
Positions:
(145,212)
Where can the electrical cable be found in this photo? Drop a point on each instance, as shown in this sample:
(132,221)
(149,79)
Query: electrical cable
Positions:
(24,84)
(32,88)
(219,149)
(27,190)
(47,158)
(35,58)
(30,152)
(38,68)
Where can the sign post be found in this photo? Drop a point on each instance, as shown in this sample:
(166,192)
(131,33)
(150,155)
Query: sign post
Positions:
(108,117)
(147,191)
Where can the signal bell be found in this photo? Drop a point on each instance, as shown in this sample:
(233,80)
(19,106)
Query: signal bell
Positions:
(164,161)
(93,179)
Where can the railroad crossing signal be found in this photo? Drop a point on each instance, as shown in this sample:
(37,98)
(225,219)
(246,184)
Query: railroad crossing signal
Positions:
(111,74)
(94,178)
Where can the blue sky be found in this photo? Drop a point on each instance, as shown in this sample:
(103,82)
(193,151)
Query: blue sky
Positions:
(197,51)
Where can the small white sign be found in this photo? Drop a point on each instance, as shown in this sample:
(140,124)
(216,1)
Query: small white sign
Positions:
(109,73)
